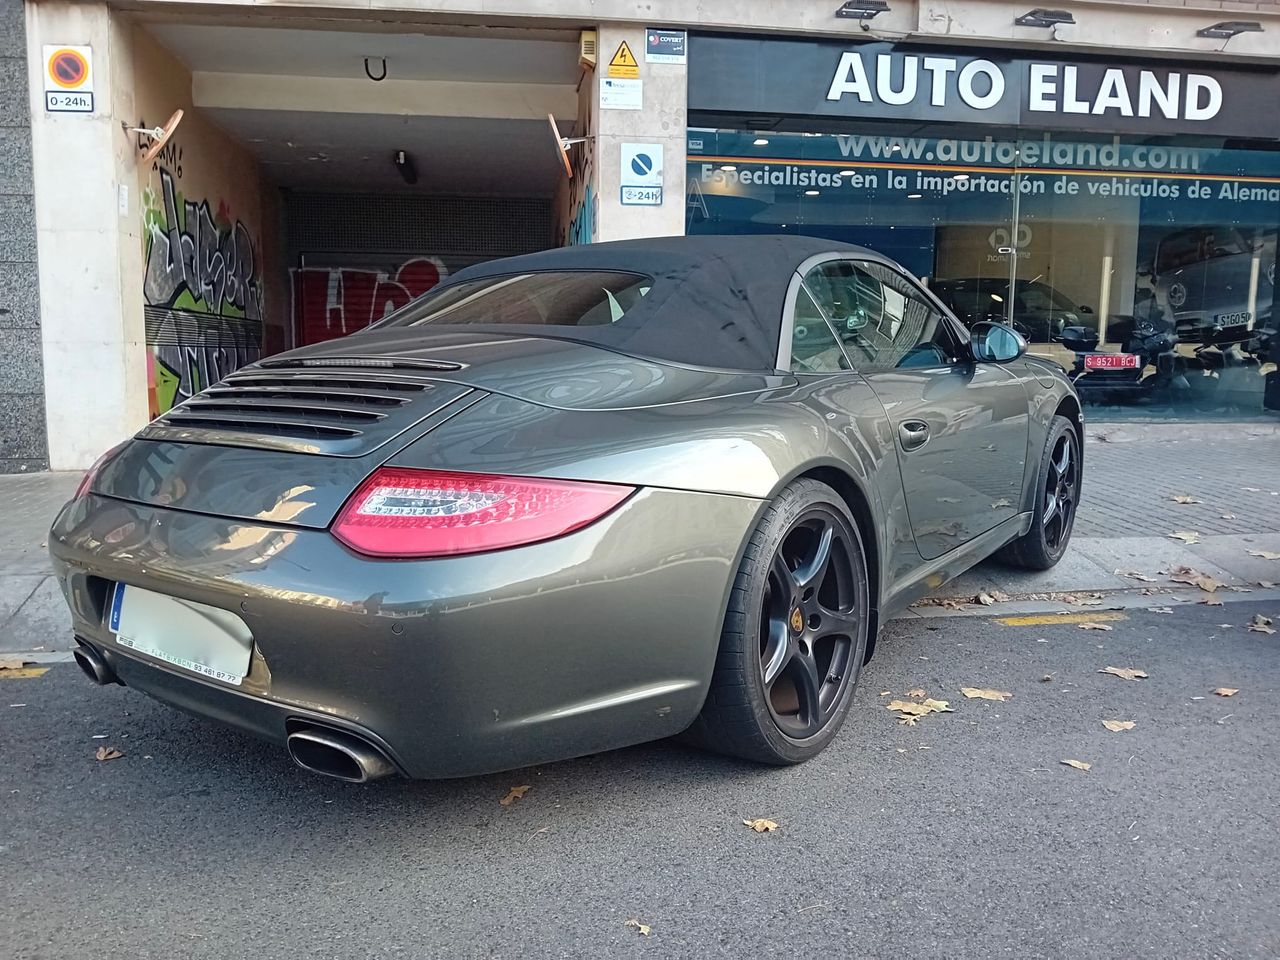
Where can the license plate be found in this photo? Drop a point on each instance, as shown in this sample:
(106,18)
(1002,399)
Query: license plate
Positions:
(1232,319)
(205,640)
(1112,361)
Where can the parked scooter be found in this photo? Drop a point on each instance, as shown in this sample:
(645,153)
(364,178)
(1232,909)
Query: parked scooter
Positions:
(1146,367)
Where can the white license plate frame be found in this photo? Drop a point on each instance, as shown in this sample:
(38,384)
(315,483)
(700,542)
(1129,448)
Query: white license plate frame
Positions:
(207,641)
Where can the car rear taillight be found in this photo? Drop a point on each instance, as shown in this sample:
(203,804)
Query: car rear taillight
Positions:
(400,512)
(92,473)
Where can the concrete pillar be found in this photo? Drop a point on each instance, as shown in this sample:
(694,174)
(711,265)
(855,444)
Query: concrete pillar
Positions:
(88,237)
(662,119)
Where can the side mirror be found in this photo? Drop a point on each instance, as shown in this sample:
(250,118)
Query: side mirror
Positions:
(995,343)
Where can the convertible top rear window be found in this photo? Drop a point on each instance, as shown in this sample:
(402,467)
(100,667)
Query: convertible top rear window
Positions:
(561,298)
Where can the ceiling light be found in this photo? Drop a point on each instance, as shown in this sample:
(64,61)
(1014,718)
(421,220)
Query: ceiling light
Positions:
(760,142)
(728,167)
(861,9)
(914,196)
(812,193)
(1230,28)
(1040,17)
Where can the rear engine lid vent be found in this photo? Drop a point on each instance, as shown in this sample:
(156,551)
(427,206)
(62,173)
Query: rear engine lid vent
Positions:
(334,406)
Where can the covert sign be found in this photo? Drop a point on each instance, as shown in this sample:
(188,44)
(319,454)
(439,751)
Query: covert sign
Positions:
(68,79)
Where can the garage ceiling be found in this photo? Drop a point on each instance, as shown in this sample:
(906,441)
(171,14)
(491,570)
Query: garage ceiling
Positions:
(352,151)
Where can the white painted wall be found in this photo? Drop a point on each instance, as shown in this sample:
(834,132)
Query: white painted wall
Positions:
(89,250)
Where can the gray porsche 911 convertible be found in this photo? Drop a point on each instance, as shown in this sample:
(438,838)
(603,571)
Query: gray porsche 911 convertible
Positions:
(568,502)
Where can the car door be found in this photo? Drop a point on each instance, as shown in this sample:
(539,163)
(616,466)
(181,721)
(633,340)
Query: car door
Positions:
(961,427)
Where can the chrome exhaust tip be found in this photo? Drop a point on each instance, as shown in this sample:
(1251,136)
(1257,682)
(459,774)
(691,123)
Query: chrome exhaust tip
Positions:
(93,665)
(334,753)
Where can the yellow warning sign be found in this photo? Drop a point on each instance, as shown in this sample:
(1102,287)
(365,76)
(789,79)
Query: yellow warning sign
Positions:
(623,66)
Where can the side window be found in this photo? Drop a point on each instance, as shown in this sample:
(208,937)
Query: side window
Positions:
(882,320)
(813,346)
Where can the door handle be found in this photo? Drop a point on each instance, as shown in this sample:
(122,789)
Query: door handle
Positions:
(913,434)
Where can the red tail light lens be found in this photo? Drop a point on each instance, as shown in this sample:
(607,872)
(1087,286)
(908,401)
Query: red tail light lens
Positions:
(400,512)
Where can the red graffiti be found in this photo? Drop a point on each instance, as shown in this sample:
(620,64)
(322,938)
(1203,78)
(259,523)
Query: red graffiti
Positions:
(332,302)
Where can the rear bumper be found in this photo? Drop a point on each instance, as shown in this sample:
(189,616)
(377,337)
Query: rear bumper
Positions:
(454,667)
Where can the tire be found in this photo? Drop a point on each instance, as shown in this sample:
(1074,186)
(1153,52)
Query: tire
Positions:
(795,633)
(1056,502)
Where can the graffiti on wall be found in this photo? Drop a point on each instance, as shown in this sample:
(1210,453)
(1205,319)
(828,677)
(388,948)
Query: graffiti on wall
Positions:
(202,290)
(331,302)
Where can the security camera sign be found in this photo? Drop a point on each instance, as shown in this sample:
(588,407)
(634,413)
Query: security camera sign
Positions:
(68,79)
(641,174)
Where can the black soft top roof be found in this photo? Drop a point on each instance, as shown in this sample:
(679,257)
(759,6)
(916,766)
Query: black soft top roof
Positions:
(716,301)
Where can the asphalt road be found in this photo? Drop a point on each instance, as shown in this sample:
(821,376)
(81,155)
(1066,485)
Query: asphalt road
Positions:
(961,836)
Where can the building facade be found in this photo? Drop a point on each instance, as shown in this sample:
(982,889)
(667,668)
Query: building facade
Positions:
(187,188)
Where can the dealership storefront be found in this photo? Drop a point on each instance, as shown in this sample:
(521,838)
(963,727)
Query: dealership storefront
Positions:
(1122,215)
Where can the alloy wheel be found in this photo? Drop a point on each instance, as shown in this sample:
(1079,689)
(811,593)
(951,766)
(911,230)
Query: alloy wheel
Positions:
(1061,492)
(811,623)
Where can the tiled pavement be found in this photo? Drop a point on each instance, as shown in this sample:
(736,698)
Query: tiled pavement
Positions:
(1132,474)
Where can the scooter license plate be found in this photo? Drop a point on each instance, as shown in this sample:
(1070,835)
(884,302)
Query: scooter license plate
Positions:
(1112,361)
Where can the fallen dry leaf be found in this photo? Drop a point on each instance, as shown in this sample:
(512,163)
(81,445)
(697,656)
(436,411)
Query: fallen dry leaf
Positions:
(1195,578)
(107,753)
(1227,691)
(1047,678)
(1159,609)
(1135,575)
(1211,602)
(976,693)
(1125,673)
(1261,624)
(1186,536)
(909,712)
(988,597)
(1183,498)
(917,692)
(514,794)
(1115,726)
(1078,764)
(761,825)
(640,928)
(1090,625)
(1002,502)
(1264,554)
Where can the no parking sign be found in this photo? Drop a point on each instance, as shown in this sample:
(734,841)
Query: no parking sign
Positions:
(68,78)
(641,174)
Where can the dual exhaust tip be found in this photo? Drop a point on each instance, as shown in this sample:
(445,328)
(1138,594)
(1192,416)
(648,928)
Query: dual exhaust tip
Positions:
(323,750)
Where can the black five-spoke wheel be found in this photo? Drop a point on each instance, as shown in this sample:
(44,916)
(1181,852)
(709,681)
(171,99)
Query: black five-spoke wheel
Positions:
(1058,499)
(795,633)
(1061,494)
(810,624)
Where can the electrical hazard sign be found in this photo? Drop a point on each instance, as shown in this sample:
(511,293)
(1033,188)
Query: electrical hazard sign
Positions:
(624,65)
(68,79)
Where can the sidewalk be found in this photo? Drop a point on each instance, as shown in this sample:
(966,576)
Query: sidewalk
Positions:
(1132,473)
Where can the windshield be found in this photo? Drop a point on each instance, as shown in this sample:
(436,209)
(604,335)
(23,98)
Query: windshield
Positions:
(568,298)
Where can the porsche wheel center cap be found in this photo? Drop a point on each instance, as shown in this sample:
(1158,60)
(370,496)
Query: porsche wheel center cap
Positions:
(797,620)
